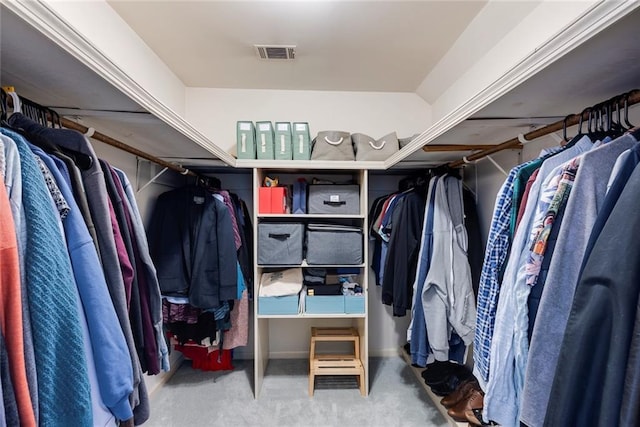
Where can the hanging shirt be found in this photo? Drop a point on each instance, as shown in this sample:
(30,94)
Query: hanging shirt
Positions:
(417,334)
(581,210)
(509,354)
(115,376)
(495,255)
(447,297)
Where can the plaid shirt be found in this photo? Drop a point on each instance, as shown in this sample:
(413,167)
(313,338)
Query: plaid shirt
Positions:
(495,255)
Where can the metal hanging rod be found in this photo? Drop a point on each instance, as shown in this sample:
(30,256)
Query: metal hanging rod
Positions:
(435,148)
(54,117)
(629,99)
(69,124)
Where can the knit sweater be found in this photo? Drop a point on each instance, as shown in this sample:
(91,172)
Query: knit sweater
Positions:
(96,191)
(63,385)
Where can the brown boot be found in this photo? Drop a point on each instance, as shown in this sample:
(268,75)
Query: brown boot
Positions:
(475,400)
(460,393)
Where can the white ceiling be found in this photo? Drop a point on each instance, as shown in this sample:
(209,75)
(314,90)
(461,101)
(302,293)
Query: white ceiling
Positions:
(604,66)
(387,46)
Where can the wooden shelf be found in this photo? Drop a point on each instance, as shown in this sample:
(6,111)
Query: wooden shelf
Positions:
(436,399)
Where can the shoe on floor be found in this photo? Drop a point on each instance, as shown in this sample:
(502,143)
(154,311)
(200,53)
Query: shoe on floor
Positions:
(438,372)
(461,392)
(475,400)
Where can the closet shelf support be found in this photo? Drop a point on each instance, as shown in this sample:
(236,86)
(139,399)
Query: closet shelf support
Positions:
(152,180)
(69,124)
(500,168)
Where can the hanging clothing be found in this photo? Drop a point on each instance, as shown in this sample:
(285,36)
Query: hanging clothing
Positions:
(115,376)
(399,271)
(97,197)
(605,302)
(148,350)
(509,355)
(418,338)
(475,250)
(585,200)
(63,386)
(149,269)
(447,297)
(13,186)
(192,244)
(238,335)
(11,320)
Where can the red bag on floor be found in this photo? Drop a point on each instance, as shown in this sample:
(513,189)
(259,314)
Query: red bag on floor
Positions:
(202,359)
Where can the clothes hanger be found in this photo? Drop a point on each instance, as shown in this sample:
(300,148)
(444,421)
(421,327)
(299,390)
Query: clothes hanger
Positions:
(3,108)
(43,115)
(615,129)
(564,128)
(626,110)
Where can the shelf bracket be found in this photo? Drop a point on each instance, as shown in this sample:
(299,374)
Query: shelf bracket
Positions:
(152,180)
(500,168)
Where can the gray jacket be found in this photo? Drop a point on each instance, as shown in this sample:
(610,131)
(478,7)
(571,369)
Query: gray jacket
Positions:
(447,296)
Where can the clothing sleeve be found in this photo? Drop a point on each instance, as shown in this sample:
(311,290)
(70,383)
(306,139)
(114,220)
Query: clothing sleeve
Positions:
(227,256)
(434,300)
(402,258)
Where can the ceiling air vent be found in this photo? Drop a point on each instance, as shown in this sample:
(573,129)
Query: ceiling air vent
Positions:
(273,52)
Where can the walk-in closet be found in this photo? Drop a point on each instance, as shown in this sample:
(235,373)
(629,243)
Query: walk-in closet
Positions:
(293,213)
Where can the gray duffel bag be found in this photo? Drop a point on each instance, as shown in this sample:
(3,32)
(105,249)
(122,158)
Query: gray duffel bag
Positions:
(368,148)
(332,145)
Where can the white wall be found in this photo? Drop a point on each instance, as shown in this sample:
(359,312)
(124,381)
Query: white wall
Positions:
(542,24)
(215,111)
(124,48)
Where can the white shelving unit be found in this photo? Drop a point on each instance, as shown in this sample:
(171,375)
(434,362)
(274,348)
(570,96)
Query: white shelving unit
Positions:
(262,332)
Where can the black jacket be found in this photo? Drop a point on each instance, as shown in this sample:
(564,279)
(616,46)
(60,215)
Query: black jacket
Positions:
(192,246)
(402,256)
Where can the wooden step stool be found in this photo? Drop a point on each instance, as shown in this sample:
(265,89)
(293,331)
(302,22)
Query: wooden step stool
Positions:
(335,364)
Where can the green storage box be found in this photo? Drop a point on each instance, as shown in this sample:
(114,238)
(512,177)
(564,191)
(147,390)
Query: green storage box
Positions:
(246,140)
(264,141)
(301,141)
(283,141)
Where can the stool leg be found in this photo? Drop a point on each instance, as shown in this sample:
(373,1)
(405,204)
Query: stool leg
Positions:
(311,383)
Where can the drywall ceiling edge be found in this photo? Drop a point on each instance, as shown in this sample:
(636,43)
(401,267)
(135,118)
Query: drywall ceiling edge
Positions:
(599,17)
(39,15)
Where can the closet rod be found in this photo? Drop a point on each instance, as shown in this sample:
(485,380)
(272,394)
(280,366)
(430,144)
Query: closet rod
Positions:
(69,124)
(574,119)
(456,147)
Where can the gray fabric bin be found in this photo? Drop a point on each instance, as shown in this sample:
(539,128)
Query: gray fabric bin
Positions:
(280,243)
(334,245)
(334,199)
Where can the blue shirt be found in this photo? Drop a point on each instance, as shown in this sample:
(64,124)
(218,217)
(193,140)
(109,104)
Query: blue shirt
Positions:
(115,374)
(495,255)
(509,347)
